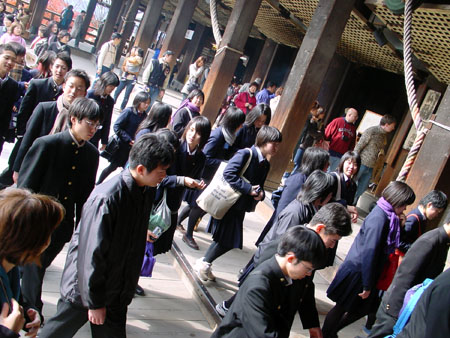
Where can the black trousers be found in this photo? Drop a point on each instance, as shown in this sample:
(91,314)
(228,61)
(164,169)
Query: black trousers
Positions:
(69,318)
(384,324)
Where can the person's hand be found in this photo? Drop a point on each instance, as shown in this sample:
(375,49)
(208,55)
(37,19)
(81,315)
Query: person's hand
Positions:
(364,294)
(103,147)
(190,182)
(15,320)
(254,191)
(131,143)
(402,218)
(151,237)
(35,323)
(353,213)
(315,332)
(97,316)
(259,197)
(26,84)
(14,109)
(98,72)
(15,176)
(201,185)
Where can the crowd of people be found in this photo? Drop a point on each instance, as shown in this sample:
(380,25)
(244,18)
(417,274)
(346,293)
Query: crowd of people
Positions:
(61,123)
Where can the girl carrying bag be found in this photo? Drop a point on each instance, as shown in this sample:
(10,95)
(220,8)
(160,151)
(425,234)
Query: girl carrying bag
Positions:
(218,197)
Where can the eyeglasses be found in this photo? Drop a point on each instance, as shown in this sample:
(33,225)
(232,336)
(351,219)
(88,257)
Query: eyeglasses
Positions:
(308,269)
(97,126)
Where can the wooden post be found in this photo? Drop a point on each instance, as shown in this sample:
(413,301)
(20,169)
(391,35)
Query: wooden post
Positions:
(109,24)
(191,51)
(87,20)
(127,27)
(256,50)
(230,50)
(265,61)
(148,24)
(37,15)
(305,79)
(175,35)
(431,170)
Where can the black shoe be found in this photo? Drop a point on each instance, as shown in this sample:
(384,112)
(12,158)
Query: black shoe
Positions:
(190,242)
(139,291)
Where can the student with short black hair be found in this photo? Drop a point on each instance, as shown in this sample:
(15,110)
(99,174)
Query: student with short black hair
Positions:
(187,110)
(254,120)
(266,94)
(227,233)
(263,303)
(105,257)
(52,117)
(430,207)
(102,95)
(63,165)
(61,44)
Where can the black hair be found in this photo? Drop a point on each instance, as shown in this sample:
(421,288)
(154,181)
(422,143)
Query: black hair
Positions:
(51,24)
(270,84)
(116,36)
(107,79)
(350,155)
(19,49)
(256,112)
(10,17)
(169,136)
(314,158)
(7,47)
(398,194)
(82,107)
(157,118)
(268,134)
(65,57)
(167,52)
(194,93)
(387,119)
(304,243)
(78,73)
(202,126)
(140,98)
(254,83)
(336,219)
(233,119)
(45,31)
(83,11)
(317,186)
(62,34)
(437,199)
(151,151)
(139,51)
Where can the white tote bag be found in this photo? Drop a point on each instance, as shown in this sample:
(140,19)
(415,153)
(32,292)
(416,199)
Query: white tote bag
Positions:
(218,197)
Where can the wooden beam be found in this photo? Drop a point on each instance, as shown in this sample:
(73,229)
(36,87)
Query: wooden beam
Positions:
(148,25)
(265,60)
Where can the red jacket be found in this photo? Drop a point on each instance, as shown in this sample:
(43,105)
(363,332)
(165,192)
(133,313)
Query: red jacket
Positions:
(342,136)
(242,98)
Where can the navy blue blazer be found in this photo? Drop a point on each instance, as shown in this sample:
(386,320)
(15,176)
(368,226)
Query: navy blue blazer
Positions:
(348,191)
(415,226)
(216,150)
(256,174)
(291,189)
(245,137)
(127,123)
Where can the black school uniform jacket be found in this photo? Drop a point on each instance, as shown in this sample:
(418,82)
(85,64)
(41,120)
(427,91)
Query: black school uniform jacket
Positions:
(9,93)
(39,90)
(40,124)
(56,166)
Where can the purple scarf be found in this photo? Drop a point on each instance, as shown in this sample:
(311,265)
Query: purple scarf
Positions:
(186,103)
(393,239)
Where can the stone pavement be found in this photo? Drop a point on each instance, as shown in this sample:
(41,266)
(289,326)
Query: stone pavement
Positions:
(169,308)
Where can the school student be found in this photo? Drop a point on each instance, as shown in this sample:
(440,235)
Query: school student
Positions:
(63,165)
(262,304)
(228,232)
(188,109)
(105,257)
(254,120)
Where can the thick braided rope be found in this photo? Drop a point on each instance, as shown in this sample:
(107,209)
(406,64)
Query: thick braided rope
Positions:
(411,92)
(215,22)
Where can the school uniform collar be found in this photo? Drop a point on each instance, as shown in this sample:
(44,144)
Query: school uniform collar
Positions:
(260,155)
(285,280)
(189,152)
(78,144)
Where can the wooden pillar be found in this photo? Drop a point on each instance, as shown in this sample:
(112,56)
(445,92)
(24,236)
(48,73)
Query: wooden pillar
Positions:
(306,77)
(149,24)
(87,20)
(175,35)
(431,170)
(128,26)
(265,60)
(107,31)
(253,52)
(191,51)
(233,41)
(37,15)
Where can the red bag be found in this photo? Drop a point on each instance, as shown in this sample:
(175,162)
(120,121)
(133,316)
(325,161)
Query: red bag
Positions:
(387,275)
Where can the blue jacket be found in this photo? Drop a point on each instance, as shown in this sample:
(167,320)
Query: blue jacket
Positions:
(127,124)
(292,187)
(216,150)
(245,137)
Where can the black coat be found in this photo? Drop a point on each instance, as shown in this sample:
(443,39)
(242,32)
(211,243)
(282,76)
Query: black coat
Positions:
(431,316)
(261,306)
(39,90)
(415,226)
(181,120)
(425,259)
(9,93)
(245,137)
(106,106)
(348,191)
(40,124)
(55,166)
(106,251)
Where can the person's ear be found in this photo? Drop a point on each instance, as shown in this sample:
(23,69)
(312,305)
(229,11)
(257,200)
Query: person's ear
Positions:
(290,257)
(73,120)
(140,169)
(320,227)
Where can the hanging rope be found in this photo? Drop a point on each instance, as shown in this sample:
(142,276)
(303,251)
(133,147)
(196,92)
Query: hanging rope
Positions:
(215,22)
(411,92)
